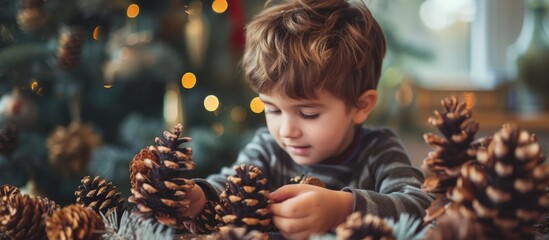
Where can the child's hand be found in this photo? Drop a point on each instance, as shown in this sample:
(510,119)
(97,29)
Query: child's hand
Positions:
(300,210)
(197,201)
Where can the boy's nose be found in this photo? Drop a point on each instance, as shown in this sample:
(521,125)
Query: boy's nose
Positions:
(289,129)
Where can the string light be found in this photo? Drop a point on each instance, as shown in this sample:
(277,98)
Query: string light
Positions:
(256,105)
(96,32)
(211,103)
(133,10)
(238,114)
(220,6)
(188,80)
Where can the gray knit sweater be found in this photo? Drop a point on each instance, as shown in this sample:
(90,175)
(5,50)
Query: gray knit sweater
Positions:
(377,171)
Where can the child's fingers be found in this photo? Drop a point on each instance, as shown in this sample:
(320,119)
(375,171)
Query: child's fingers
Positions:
(286,192)
(289,209)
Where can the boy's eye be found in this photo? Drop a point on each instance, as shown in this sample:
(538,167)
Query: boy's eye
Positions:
(308,116)
(272,111)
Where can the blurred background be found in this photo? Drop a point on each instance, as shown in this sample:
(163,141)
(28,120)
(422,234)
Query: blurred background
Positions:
(85,84)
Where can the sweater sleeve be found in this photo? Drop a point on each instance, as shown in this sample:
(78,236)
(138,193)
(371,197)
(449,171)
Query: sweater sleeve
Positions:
(396,183)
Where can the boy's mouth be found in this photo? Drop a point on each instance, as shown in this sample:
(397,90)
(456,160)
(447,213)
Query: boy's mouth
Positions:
(299,150)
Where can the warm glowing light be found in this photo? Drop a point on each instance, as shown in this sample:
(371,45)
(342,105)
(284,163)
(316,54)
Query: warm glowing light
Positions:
(133,10)
(220,6)
(194,8)
(96,32)
(211,103)
(238,114)
(218,129)
(470,99)
(256,105)
(188,80)
(34,85)
(107,86)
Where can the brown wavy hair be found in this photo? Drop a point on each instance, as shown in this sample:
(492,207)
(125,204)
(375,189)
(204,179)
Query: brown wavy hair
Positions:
(301,46)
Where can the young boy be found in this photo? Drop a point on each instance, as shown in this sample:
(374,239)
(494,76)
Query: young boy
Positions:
(316,65)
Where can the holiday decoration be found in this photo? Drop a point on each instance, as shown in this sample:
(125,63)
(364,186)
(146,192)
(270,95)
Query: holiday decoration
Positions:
(99,195)
(308,180)
(21,215)
(452,150)
(364,227)
(70,47)
(506,189)
(9,138)
(31,17)
(158,185)
(70,148)
(244,201)
(17,108)
(74,222)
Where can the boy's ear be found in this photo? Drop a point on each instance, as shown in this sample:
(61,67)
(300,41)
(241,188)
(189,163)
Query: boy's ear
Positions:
(366,103)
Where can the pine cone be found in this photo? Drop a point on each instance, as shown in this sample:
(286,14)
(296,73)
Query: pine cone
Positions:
(9,138)
(21,216)
(158,186)
(244,201)
(364,227)
(240,233)
(9,191)
(206,221)
(74,222)
(456,226)
(307,180)
(99,195)
(70,47)
(451,151)
(506,188)
(32,19)
(70,148)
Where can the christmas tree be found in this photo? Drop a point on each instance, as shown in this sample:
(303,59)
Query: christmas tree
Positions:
(85,84)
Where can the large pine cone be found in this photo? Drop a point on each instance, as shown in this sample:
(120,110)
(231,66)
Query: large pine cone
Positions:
(99,195)
(74,222)
(450,152)
(456,226)
(507,187)
(158,185)
(70,148)
(244,202)
(9,191)
(70,47)
(9,138)
(21,216)
(364,227)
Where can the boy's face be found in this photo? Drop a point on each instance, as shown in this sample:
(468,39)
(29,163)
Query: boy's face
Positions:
(310,131)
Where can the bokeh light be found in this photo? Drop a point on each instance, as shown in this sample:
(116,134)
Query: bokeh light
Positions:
(133,10)
(220,6)
(470,99)
(188,80)
(218,129)
(107,86)
(211,103)
(96,33)
(238,114)
(256,105)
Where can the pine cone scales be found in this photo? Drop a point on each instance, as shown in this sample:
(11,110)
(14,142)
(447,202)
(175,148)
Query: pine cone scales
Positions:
(364,227)
(9,138)
(451,151)
(21,216)
(206,221)
(99,195)
(74,222)
(506,188)
(308,180)
(70,47)
(9,191)
(158,187)
(244,202)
